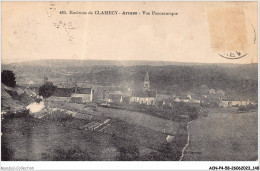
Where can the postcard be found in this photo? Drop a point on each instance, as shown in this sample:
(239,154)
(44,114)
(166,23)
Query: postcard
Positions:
(129,81)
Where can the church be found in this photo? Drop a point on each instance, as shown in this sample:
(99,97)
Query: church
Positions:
(145,96)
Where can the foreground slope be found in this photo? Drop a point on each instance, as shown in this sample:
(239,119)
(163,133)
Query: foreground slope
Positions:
(226,136)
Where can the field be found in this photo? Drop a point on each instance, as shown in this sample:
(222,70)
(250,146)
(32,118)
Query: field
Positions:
(136,134)
(142,119)
(139,128)
(224,135)
(32,138)
(136,118)
(38,139)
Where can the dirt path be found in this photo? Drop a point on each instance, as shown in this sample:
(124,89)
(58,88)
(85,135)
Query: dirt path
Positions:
(188,142)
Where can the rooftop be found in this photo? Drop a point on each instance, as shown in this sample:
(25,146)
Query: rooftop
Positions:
(145,93)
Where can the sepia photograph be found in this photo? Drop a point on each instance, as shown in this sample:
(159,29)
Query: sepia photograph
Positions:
(129,81)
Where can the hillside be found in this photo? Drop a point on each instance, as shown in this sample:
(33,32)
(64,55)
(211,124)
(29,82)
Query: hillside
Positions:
(7,102)
(226,136)
(14,99)
(237,80)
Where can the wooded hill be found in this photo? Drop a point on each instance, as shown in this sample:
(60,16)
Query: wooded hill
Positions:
(237,80)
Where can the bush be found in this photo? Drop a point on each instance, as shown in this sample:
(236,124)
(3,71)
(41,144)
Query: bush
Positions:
(38,100)
(20,114)
(8,78)
(59,116)
(47,90)
(242,108)
(247,108)
(193,113)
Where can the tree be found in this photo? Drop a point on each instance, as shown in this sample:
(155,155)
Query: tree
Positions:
(193,113)
(47,90)
(220,93)
(8,78)
(204,89)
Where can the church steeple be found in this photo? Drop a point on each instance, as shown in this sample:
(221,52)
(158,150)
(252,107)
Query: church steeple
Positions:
(146,82)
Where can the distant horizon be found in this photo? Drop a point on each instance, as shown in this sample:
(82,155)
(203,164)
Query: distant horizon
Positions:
(124,60)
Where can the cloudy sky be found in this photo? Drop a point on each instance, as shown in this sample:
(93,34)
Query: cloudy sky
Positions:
(199,33)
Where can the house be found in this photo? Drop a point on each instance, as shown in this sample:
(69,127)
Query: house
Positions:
(234,103)
(239,103)
(214,101)
(164,100)
(147,97)
(164,96)
(62,94)
(102,92)
(184,99)
(115,97)
(195,101)
(194,98)
(82,95)
(211,99)
(167,103)
(225,104)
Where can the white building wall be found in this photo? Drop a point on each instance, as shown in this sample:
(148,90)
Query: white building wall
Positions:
(143,100)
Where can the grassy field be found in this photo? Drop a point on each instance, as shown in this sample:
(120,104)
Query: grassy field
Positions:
(123,129)
(225,135)
(142,119)
(137,134)
(136,118)
(30,138)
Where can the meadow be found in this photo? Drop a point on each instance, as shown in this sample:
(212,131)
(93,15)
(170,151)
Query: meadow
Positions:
(33,139)
(224,135)
(135,118)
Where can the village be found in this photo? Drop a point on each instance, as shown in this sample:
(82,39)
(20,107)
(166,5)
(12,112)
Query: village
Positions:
(80,92)
(83,100)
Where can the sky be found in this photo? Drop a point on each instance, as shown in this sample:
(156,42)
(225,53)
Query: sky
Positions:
(202,32)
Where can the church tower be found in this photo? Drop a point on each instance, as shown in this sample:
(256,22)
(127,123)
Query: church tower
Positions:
(146,82)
